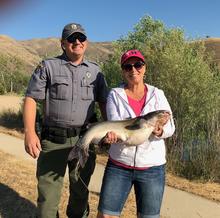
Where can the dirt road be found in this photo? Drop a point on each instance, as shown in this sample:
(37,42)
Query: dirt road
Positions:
(176,203)
(10,102)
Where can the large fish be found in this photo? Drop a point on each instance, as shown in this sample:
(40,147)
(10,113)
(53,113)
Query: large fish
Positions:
(130,132)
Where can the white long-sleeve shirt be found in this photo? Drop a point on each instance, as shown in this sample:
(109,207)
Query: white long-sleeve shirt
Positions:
(151,153)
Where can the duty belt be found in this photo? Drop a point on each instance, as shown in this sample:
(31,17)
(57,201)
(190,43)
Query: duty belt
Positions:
(59,131)
(59,135)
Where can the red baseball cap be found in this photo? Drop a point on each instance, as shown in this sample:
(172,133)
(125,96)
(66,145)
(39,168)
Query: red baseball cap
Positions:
(131,53)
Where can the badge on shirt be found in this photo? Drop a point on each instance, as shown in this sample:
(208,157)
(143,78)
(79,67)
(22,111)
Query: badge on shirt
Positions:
(88,74)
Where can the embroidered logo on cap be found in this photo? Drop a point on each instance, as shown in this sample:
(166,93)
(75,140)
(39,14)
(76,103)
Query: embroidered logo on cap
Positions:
(74,26)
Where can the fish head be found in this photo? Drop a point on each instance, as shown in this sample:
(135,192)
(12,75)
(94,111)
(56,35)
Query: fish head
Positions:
(157,117)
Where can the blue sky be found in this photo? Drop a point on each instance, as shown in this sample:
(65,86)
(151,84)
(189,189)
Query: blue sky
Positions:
(107,20)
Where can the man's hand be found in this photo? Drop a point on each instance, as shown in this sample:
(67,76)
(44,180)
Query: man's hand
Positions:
(158,130)
(32,144)
(31,141)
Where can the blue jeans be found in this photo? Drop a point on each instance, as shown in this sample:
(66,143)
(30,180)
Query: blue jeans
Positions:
(117,183)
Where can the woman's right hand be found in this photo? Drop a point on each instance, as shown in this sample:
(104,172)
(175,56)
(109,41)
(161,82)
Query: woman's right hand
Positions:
(110,138)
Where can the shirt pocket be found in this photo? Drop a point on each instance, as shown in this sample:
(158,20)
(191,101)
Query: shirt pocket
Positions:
(87,89)
(60,89)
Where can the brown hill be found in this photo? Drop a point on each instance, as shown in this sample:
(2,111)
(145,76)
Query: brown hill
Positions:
(97,51)
(32,51)
(42,47)
(11,47)
(213,45)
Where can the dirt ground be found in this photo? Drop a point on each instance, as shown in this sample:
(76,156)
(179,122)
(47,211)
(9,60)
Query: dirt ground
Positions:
(11,102)
(18,191)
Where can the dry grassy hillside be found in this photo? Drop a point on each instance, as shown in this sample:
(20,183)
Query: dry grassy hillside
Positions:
(213,45)
(97,51)
(42,47)
(32,51)
(11,47)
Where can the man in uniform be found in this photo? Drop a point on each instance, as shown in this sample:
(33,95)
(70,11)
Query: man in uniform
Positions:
(69,86)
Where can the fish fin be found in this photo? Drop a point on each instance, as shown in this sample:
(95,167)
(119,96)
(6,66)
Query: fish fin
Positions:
(80,154)
(83,157)
(135,125)
(74,172)
(73,153)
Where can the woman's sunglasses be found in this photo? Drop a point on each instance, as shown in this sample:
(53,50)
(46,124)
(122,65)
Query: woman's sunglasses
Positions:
(128,67)
(72,38)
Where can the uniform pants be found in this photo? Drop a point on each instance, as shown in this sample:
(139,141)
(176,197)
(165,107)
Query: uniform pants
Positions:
(51,167)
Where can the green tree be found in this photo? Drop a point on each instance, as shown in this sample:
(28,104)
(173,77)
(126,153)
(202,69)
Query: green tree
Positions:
(185,71)
(13,78)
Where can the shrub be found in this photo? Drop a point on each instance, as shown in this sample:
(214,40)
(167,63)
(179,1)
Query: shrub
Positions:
(13,78)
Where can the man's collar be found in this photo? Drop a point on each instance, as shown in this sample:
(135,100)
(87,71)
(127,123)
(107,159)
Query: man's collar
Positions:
(65,60)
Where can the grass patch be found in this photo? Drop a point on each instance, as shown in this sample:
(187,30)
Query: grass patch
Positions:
(12,120)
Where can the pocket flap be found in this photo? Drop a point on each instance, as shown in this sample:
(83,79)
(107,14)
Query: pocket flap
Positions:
(60,81)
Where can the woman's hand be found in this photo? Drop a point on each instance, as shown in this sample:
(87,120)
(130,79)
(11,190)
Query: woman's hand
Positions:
(110,138)
(158,130)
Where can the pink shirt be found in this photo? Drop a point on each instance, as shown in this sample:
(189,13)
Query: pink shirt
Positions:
(137,105)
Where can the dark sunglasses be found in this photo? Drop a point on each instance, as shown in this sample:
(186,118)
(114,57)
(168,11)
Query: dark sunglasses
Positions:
(72,38)
(128,67)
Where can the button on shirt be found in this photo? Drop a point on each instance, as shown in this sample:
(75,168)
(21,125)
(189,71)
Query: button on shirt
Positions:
(70,91)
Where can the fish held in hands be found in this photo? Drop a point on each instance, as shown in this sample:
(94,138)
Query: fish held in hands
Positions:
(130,132)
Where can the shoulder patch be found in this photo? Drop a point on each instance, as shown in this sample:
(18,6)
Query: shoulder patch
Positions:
(40,67)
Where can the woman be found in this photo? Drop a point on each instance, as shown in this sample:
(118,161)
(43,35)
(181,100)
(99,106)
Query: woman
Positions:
(141,166)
